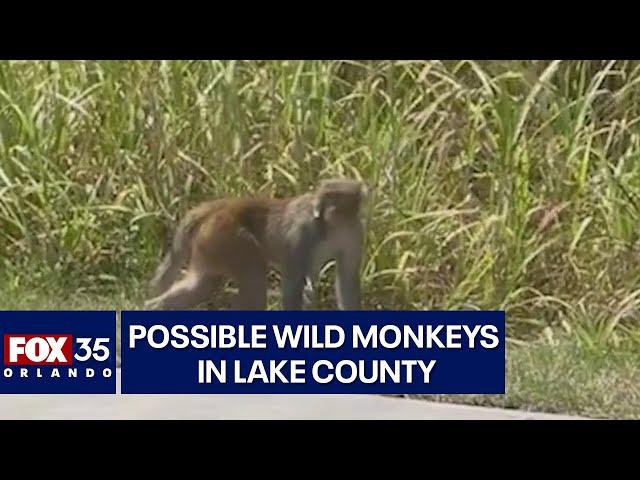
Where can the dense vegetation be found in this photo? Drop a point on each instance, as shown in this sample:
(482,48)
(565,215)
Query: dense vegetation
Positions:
(495,185)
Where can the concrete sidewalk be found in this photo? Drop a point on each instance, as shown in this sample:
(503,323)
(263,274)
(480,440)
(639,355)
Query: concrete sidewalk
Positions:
(231,407)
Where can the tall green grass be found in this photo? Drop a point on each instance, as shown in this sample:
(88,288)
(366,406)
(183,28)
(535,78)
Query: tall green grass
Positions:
(494,185)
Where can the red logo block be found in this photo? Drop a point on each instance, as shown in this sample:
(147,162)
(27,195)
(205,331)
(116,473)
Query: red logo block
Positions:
(39,349)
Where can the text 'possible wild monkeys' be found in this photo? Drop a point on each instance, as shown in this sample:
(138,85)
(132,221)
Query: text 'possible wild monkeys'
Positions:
(240,238)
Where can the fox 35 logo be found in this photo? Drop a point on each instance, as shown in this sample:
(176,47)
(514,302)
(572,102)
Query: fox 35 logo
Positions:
(55,356)
(51,351)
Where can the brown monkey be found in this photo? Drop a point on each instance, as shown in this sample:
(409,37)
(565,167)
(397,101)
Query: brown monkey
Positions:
(240,238)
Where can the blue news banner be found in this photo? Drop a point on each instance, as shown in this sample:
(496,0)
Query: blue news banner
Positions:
(58,352)
(272,352)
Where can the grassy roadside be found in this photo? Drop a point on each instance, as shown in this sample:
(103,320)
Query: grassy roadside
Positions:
(569,378)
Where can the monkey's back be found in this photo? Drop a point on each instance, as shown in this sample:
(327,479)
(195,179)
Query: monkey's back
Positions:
(236,230)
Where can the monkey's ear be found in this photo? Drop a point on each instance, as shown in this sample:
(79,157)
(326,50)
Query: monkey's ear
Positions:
(364,191)
(322,207)
(317,207)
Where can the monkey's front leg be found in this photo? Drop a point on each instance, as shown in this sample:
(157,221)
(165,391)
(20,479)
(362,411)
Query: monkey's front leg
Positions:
(347,284)
(293,284)
(294,278)
(296,268)
(320,259)
(309,294)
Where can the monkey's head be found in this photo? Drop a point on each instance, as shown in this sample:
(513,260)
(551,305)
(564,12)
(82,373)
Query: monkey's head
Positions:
(338,200)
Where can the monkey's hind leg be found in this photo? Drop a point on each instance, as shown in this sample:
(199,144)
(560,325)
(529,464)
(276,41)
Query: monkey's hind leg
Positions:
(187,293)
(252,290)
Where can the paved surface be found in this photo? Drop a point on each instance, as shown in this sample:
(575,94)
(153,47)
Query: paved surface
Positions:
(228,407)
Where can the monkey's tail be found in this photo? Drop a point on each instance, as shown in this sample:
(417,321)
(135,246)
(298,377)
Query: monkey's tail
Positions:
(177,256)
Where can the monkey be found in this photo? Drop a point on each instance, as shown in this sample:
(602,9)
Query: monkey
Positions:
(241,238)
